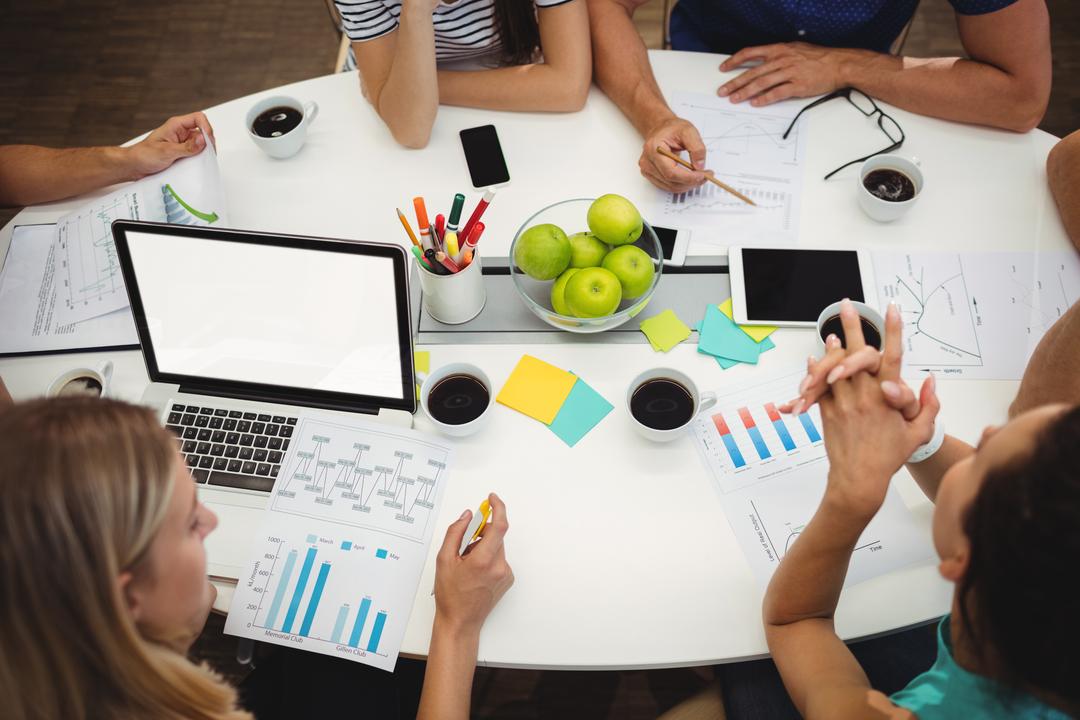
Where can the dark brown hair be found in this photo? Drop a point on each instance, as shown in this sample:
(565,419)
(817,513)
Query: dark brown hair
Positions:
(518,31)
(1018,598)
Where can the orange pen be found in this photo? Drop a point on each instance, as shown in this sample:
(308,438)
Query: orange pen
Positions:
(422,220)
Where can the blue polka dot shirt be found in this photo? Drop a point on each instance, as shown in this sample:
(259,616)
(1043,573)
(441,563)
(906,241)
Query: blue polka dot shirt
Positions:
(726,26)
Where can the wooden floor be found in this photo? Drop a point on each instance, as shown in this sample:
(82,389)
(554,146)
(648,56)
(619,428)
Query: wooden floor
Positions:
(92,72)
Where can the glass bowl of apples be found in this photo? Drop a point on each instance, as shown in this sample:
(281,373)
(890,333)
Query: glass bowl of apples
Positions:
(586,280)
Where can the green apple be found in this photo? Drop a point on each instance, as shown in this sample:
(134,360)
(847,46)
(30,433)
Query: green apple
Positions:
(634,268)
(593,292)
(586,250)
(614,220)
(558,300)
(542,251)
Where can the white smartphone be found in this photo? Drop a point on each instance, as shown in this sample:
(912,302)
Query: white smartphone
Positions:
(484,156)
(673,243)
(775,286)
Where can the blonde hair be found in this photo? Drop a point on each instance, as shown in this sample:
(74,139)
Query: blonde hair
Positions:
(84,486)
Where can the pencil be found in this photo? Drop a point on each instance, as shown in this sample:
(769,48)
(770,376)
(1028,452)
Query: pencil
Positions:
(436,266)
(723,186)
(405,224)
(447,262)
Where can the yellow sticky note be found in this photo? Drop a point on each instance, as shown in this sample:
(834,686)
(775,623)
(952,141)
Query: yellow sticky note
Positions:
(758,332)
(665,330)
(536,389)
(422,363)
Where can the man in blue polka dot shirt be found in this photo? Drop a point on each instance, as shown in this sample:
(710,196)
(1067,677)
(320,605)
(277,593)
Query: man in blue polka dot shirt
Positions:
(806,48)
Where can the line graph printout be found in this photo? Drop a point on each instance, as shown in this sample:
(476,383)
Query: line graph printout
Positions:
(976,315)
(337,561)
(746,148)
(771,470)
(88,278)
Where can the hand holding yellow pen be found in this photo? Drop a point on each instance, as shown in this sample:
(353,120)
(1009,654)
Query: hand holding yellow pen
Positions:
(476,526)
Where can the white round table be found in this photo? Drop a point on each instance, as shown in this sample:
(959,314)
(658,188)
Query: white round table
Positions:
(622,554)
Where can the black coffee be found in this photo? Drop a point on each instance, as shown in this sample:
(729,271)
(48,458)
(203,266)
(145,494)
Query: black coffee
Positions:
(833,326)
(891,185)
(458,399)
(276,121)
(662,404)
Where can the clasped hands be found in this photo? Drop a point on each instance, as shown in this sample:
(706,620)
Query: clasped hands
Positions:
(873,421)
(786,70)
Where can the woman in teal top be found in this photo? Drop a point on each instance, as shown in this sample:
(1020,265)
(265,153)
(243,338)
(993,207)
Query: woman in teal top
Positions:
(1005,529)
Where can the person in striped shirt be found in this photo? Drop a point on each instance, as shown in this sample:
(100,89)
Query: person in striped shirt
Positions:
(532,56)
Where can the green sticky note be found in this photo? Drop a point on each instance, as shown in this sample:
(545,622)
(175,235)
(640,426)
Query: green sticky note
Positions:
(665,330)
(720,336)
(583,410)
(726,363)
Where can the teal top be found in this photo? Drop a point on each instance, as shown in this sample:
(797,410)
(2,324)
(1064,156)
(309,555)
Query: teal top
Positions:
(947,690)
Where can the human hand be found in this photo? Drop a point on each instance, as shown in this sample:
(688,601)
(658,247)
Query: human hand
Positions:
(676,135)
(179,137)
(468,586)
(787,70)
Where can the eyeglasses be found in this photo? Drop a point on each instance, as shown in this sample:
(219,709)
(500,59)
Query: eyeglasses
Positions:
(866,105)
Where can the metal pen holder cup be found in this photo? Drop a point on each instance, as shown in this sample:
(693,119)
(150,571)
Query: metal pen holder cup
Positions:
(454,299)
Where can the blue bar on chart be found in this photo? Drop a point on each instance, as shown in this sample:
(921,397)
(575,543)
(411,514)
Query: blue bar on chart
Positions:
(316,595)
(279,594)
(358,626)
(729,442)
(376,632)
(346,544)
(298,594)
(339,624)
(381,554)
(755,434)
(781,428)
(808,425)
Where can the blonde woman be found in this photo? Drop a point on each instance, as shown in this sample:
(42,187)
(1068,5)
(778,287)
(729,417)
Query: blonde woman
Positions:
(103,575)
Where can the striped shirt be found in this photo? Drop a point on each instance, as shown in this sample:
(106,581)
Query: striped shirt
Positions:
(463,29)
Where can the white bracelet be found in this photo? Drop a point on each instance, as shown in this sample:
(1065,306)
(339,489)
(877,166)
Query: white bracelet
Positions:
(937,439)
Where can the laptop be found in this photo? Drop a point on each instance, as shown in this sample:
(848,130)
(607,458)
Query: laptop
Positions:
(242,331)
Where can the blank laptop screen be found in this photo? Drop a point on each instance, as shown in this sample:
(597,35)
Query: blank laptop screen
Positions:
(289,317)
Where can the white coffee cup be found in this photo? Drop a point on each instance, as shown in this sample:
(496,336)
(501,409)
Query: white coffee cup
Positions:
(92,381)
(866,312)
(702,401)
(287,145)
(432,379)
(886,210)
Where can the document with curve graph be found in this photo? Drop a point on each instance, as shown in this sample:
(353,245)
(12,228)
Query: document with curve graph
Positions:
(337,560)
(746,149)
(771,470)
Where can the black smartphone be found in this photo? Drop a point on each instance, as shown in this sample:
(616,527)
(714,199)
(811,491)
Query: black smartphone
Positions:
(484,155)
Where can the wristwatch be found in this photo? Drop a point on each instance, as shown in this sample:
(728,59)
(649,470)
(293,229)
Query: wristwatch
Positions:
(936,440)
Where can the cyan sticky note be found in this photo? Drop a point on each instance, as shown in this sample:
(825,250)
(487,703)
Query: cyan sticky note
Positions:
(583,410)
(720,336)
(726,363)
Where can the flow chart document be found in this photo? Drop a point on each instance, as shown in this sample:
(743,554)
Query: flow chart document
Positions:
(28,302)
(88,278)
(746,150)
(976,315)
(337,561)
(771,470)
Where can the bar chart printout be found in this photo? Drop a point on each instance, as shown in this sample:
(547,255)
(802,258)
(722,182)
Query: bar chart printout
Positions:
(338,588)
(771,471)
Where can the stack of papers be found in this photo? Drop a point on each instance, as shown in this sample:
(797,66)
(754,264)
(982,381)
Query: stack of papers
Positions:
(665,330)
(559,399)
(732,344)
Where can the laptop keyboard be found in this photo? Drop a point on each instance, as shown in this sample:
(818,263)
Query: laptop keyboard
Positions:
(231,448)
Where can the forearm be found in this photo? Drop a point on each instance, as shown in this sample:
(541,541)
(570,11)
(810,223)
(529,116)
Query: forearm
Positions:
(809,580)
(526,88)
(30,174)
(1063,174)
(409,99)
(621,66)
(929,472)
(949,88)
(448,679)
